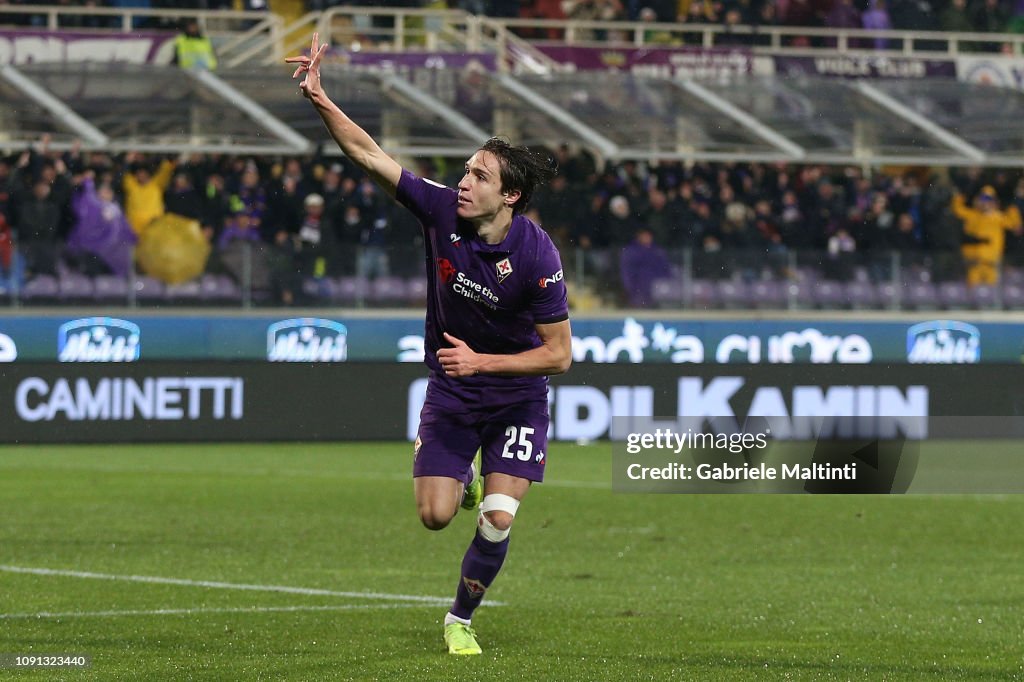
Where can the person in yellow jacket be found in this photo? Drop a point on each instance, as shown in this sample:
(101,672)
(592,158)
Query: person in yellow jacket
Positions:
(193,50)
(144,193)
(985,227)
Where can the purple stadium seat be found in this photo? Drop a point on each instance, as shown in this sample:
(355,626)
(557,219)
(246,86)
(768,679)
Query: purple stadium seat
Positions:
(219,289)
(74,286)
(1013,296)
(954,295)
(350,290)
(984,297)
(807,274)
(915,274)
(768,294)
(861,295)
(829,294)
(316,288)
(110,288)
(734,294)
(703,295)
(1013,275)
(861,274)
(668,293)
(41,288)
(890,295)
(921,296)
(186,292)
(148,289)
(799,294)
(388,290)
(416,288)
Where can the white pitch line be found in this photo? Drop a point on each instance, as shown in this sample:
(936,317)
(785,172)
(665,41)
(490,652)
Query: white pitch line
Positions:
(201,610)
(230,586)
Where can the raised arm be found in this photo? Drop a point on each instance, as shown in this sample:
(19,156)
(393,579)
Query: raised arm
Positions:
(353,140)
(960,207)
(1012,220)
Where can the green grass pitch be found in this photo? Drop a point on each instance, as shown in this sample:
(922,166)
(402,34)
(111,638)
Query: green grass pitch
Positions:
(598,586)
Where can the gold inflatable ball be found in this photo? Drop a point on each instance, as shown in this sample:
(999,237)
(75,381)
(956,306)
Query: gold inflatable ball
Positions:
(172,249)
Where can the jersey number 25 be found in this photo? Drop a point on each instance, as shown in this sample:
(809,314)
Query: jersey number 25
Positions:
(519,438)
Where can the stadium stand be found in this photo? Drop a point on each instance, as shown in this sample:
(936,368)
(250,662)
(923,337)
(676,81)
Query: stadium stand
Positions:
(764,188)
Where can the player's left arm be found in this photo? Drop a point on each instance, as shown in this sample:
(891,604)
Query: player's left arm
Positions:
(552,356)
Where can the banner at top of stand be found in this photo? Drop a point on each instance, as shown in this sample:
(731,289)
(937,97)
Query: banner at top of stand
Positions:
(399,61)
(865,66)
(691,62)
(38,47)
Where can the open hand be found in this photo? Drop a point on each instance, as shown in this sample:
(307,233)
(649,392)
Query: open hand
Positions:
(310,66)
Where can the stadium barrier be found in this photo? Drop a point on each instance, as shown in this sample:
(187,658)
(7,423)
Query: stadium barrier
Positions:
(659,337)
(260,401)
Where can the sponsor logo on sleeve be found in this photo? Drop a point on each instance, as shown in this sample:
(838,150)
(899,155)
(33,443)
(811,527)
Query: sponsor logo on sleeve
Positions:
(543,282)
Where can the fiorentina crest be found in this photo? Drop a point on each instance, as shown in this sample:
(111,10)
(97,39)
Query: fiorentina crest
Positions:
(475,588)
(504,269)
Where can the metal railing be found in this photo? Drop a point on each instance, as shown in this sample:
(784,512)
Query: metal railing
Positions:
(264,37)
(781,40)
(128,19)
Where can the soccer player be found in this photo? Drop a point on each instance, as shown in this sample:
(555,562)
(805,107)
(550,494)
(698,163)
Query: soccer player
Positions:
(497,324)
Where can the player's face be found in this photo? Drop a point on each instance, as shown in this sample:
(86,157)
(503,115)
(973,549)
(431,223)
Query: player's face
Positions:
(480,192)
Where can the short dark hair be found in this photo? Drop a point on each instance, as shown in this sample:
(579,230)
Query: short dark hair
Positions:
(521,169)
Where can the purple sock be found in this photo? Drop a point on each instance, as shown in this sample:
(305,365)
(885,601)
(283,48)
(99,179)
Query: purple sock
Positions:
(480,566)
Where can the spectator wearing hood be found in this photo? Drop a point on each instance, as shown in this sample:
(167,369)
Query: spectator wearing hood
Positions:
(641,263)
(101,230)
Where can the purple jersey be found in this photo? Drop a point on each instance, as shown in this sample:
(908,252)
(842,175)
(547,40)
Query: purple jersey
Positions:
(490,296)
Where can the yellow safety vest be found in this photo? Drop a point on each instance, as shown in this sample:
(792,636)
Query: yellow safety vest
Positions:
(195,53)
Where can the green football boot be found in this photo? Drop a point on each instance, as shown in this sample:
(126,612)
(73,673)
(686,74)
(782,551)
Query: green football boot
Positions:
(461,640)
(474,493)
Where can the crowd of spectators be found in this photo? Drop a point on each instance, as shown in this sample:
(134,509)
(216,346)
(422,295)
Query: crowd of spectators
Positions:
(24,16)
(623,224)
(983,16)
(988,16)
(759,221)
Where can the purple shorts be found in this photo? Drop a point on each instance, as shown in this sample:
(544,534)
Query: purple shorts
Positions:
(513,435)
